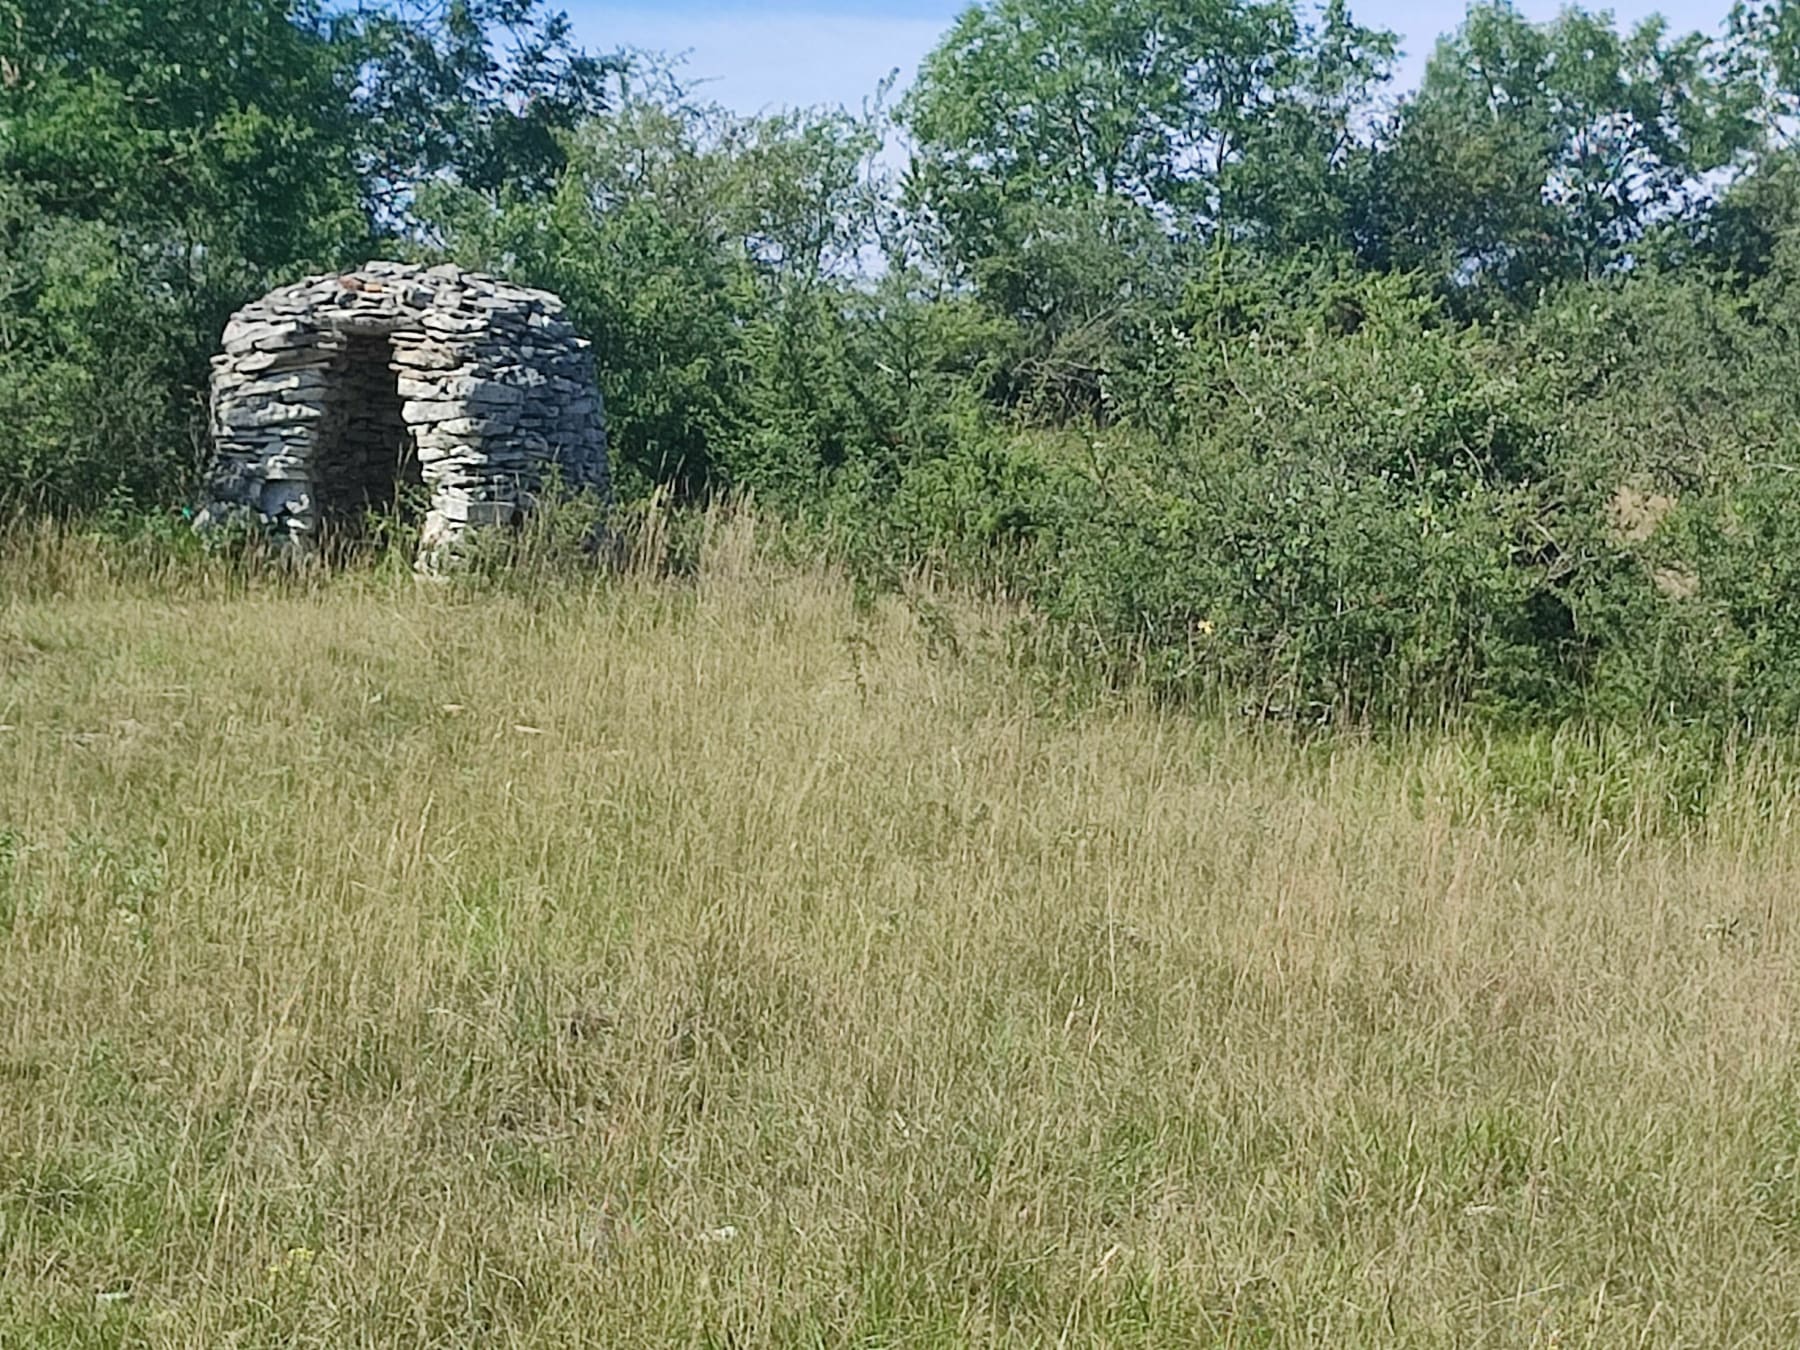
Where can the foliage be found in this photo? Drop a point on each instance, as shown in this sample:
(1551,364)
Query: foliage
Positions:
(477,92)
(1075,156)
(1258,384)
(209,133)
(87,406)
(1324,557)
(717,261)
(1539,153)
(160,163)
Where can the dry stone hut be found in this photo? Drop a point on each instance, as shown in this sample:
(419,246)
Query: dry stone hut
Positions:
(397,382)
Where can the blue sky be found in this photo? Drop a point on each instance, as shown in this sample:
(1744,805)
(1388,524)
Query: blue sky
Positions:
(757,56)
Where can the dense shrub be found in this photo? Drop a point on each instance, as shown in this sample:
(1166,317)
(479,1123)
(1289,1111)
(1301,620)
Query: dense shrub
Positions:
(1256,389)
(93,374)
(1412,518)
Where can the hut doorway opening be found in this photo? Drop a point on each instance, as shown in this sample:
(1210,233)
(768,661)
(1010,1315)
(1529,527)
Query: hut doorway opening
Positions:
(367,461)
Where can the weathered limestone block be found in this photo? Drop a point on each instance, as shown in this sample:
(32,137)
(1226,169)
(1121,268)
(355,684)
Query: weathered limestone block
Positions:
(461,507)
(455,323)
(265,413)
(467,388)
(419,355)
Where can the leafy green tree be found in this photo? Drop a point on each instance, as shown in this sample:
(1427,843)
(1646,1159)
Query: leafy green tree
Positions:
(1049,134)
(1542,152)
(205,131)
(479,92)
(711,258)
(1744,232)
(1076,156)
(1765,47)
(1304,167)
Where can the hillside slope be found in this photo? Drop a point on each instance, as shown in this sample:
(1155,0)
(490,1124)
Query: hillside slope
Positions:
(729,963)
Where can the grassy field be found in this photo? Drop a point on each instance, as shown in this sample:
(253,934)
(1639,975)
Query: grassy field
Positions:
(726,963)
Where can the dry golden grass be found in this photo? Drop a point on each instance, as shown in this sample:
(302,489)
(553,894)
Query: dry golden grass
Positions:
(723,963)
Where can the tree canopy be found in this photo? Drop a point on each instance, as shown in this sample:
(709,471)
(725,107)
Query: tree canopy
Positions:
(1171,316)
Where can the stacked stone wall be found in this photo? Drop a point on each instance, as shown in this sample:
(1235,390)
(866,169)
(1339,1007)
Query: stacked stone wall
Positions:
(332,393)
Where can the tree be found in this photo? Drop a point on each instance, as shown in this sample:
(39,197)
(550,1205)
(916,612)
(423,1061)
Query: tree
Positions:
(1539,152)
(709,256)
(205,129)
(160,163)
(1303,167)
(1764,49)
(1756,220)
(478,92)
(1076,155)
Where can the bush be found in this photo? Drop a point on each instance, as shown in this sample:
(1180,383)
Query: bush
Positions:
(91,374)
(1335,527)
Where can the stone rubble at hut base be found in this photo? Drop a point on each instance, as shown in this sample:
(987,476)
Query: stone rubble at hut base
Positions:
(339,393)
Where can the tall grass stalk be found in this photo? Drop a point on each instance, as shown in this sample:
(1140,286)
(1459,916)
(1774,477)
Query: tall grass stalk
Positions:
(728,960)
